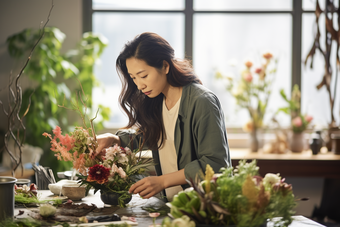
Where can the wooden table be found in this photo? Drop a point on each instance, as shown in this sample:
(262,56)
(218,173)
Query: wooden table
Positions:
(134,209)
(303,164)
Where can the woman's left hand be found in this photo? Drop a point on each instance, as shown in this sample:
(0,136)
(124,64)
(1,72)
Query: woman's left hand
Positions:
(148,186)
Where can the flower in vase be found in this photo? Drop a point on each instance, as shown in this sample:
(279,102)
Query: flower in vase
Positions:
(297,122)
(99,174)
(252,88)
(113,169)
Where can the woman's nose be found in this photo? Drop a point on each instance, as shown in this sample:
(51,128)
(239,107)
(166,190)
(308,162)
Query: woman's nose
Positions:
(140,85)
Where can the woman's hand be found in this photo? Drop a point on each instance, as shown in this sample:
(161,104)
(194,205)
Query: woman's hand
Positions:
(148,187)
(107,140)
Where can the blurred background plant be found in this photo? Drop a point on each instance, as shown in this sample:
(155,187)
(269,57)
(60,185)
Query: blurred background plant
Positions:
(300,122)
(252,92)
(55,76)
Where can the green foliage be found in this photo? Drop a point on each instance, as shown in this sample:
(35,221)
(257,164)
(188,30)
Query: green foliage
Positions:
(59,78)
(239,196)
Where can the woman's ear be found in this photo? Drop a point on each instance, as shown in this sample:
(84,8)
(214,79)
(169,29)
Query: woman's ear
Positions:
(166,66)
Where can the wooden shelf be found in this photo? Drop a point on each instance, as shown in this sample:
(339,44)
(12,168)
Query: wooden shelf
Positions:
(303,164)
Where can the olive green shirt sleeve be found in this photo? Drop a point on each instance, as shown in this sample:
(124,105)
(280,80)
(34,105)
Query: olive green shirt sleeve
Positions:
(209,136)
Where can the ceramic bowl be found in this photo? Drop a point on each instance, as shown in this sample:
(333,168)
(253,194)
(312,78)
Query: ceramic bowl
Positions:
(21,182)
(73,191)
(56,188)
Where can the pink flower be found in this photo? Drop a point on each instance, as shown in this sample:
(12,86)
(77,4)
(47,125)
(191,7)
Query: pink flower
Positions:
(297,122)
(121,172)
(258,70)
(308,118)
(248,77)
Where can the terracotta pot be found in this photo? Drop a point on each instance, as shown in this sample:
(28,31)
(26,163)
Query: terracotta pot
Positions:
(297,142)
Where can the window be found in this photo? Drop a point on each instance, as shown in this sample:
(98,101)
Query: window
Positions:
(213,33)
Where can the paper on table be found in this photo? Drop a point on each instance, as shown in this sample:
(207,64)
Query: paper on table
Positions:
(98,224)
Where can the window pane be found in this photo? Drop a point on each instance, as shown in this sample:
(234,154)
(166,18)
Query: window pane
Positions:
(313,101)
(242,5)
(221,39)
(139,5)
(120,28)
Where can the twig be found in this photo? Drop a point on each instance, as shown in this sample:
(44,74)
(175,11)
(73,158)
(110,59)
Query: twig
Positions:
(14,111)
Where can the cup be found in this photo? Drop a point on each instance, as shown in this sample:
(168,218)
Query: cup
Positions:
(7,197)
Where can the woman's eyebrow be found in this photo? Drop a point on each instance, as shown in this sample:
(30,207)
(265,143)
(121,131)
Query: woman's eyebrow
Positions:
(138,72)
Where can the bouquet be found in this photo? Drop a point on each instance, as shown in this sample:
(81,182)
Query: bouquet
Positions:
(113,169)
(252,90)
(236,197)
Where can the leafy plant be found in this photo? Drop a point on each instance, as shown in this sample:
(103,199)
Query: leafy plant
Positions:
(236,197)
(300,122)
(55,74)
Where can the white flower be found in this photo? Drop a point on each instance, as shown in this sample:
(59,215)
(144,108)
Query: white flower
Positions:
(121,172)
(271,179)
(123,158)
(184,221)
(128,151)
(111,152)
(114,169)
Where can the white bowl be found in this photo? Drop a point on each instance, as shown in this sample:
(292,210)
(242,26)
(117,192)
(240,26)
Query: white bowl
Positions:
(56,188)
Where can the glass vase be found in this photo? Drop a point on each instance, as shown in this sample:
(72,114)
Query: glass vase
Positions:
(255,141)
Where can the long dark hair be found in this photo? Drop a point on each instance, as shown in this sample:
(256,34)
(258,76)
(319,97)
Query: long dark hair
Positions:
(146,113)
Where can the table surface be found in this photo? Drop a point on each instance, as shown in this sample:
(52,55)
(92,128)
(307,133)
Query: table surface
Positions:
(134,209)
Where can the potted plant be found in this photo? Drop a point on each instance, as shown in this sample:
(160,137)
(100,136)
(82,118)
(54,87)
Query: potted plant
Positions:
(55,76)
(299,122)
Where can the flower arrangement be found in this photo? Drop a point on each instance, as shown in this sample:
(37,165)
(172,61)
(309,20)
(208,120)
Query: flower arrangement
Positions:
(238,196)
(253,89)
(299,121)
(113,169)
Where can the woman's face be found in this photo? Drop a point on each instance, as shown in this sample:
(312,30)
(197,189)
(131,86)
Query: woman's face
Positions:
(149,80)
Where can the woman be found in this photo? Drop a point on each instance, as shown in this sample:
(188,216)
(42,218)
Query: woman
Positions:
(176,117)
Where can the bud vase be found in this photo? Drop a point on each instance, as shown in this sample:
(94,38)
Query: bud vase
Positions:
(112,198)
(255,140)
(297,142)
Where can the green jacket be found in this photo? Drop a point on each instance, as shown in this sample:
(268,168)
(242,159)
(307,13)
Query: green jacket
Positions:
(200,133)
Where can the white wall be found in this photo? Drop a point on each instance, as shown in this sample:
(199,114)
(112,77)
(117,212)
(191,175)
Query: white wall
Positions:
(17,15)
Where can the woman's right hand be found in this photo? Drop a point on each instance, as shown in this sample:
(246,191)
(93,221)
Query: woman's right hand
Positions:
(107,140)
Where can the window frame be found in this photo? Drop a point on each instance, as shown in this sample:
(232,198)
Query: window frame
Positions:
(189,12)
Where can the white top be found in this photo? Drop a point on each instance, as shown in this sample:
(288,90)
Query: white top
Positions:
(167,153)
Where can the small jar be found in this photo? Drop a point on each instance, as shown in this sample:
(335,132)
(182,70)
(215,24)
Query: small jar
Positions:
(335,143)
(315,143)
